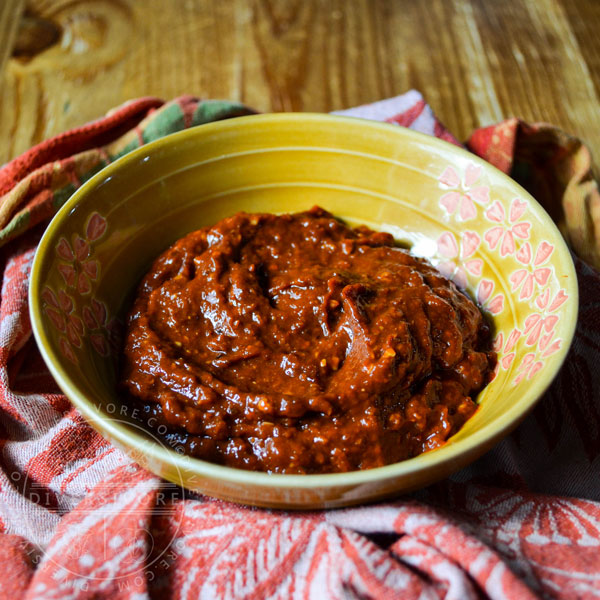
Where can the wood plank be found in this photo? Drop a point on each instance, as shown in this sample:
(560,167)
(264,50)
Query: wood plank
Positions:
(538,68)
(10,15)
(476,61)
(584,21)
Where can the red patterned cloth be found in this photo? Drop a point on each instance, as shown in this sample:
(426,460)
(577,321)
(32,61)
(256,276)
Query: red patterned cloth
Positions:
(78,519)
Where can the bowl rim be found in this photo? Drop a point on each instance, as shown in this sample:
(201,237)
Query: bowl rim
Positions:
(447,453)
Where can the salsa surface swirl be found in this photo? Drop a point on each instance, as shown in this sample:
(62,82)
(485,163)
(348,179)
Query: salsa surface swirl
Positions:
(294,344)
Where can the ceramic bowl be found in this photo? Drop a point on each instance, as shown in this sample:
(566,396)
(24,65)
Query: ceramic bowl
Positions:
(477,225)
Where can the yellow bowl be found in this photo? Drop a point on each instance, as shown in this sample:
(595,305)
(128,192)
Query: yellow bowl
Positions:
(476,224)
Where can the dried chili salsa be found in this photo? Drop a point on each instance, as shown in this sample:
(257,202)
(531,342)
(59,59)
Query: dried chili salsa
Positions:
(295,344)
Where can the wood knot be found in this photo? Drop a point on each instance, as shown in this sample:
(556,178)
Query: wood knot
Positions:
(34,35)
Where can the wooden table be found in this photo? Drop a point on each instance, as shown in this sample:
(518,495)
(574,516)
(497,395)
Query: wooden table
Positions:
(64,62)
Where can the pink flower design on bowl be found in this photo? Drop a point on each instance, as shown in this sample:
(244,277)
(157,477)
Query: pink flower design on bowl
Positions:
(504,234)
(448,248)
(60,310)
(507,349)
(77,267)
(539,327)
(495,304)
(60,307)
(463,193)
(528,368)
(539,332)
(103,332)
(534,274)
(536,325)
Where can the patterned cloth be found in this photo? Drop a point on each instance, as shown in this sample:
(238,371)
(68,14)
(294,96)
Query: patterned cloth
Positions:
(78,519)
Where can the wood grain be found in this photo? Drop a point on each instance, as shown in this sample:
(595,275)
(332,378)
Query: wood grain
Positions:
(476,61)
(10,15)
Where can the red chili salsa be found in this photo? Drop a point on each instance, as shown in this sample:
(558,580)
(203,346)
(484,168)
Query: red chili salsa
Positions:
(295,344)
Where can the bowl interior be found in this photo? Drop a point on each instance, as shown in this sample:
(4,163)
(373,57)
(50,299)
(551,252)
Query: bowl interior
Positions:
(477,225)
